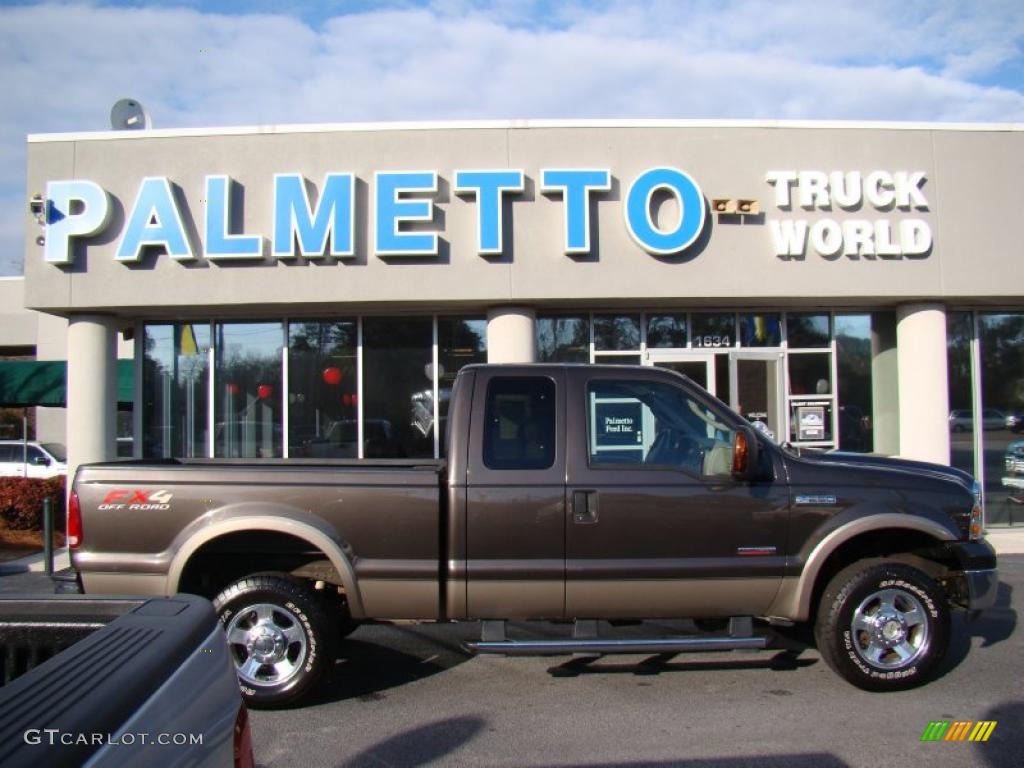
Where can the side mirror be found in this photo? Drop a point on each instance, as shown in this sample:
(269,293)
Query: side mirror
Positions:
(745,454)
(40,461)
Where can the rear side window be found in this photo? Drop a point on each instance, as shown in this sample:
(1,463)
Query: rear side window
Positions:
(520,423)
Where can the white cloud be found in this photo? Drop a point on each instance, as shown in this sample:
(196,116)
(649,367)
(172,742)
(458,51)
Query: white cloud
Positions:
(65,65)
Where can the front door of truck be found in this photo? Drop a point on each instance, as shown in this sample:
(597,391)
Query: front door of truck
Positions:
(656,525)
(515,503)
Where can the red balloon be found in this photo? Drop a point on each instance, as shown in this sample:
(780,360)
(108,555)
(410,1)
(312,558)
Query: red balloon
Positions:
(264,391)
(332,376)
(233,389)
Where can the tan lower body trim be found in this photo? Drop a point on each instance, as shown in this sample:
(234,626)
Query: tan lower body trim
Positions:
(124,583)
(399,598)
(651,599)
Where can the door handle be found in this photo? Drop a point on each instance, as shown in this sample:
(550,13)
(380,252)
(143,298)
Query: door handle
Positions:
(584,507)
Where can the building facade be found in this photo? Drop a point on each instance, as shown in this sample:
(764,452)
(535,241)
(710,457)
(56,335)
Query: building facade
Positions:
(311,291)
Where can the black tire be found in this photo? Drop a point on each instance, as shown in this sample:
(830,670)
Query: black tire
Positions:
(883,626)
(281,636)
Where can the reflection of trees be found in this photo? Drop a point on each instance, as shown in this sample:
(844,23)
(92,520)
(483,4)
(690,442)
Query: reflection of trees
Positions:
(958,344)
(563,339)
(1002,361)
(854,391)
(617,332)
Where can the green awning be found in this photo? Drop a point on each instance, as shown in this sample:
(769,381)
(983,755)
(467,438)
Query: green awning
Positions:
(26,383)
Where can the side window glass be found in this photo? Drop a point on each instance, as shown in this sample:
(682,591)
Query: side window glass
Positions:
(6,453)
(520,423)
(657,425)
(34,454)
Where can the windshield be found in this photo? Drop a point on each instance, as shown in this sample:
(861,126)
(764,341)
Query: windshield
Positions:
(57,450)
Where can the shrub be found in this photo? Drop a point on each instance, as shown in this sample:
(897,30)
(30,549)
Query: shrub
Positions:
(21,502)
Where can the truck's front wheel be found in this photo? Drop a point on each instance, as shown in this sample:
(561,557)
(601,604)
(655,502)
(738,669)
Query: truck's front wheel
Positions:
(280,636)
(883,627)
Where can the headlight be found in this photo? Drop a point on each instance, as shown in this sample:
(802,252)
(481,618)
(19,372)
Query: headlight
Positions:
(975,527)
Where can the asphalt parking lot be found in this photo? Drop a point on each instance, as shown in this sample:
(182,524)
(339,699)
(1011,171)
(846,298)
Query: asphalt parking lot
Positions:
(409,696)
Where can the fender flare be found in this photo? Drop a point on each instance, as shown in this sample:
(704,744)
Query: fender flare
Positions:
(794,598)
(261,522)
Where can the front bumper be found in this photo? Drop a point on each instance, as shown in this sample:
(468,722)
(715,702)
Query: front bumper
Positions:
(978,581)
(982,586)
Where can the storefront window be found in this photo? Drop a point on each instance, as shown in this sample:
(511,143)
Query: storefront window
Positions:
(322,389)
(714,331)
(810,373)
(563,339)
(175,386)
(853,364)
(666,331)
(1001,337)
(398,387)
(248,390)
(762,330)
(959,331)
(807,331)
(460,341)
(616,333)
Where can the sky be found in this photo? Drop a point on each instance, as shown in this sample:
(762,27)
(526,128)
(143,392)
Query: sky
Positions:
(191,63)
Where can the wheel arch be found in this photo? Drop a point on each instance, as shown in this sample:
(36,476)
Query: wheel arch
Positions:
(332,550)
(864,538)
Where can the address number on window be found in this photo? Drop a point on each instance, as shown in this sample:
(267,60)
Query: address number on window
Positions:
(713,341)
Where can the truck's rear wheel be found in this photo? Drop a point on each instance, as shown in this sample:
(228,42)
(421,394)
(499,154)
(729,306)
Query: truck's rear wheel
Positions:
(280,635)
(883,627)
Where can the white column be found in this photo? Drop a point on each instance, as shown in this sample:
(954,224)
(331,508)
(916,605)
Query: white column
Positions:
(923,385)
(511,336)
(92,390)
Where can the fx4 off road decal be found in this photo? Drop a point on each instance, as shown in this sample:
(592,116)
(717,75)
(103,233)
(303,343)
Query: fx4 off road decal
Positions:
(134,499)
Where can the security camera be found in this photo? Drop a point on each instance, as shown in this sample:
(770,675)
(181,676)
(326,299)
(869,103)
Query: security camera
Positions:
(37,205)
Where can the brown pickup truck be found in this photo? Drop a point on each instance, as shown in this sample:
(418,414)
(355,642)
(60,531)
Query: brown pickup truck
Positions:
(579,493)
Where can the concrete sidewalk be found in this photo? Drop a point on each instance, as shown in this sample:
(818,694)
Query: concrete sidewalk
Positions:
(34,563)
(1006,541)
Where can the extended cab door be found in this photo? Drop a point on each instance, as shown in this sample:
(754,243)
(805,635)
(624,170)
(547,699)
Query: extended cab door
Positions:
(656,524)
(515,496)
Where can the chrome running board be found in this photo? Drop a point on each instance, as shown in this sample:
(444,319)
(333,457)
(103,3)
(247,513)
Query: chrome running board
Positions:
(493,640)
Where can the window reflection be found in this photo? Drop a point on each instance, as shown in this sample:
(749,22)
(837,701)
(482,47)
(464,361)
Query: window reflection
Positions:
(563,339)
(959,331)
(1001,337)
(616,333)
(666,331)
(398,387)
(853,364)
(322,389)
(714,331)
(248,387)
(460,341)
(175,386)
(807,331)
(763,330)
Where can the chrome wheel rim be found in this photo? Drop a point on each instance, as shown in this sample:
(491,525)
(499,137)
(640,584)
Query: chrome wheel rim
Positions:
(268,644)
(890,629)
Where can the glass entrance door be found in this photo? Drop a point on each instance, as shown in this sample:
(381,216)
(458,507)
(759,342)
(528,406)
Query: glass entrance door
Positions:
(697,366)
(756,389)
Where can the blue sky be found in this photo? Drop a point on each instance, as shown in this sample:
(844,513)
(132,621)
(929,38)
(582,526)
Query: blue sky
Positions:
(65,64)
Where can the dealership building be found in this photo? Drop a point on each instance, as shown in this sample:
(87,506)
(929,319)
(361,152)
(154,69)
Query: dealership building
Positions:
(311,291)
